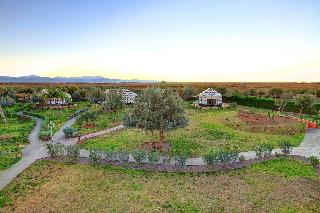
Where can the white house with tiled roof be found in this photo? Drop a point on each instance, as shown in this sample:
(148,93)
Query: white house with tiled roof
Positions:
(210,97)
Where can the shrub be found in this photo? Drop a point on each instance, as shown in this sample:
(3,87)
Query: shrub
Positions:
(242,159)
(55,150)
(139,156)
(166,160)
(109,155)
(95,156)
(34,114)
(286,147)
(6,101)
(122,156)
(233,105)
(314,161)
(153,157)
(73,152)
(181,159)
(23,117)
(220,156)
(45,135)
(263,150)
(69,132)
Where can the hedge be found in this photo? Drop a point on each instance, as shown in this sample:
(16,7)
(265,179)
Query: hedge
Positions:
(267,103)
(34,114)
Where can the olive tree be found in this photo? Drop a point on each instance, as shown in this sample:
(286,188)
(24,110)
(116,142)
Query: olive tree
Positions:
(275,92)
(304,101)
(96,95)
(113,100)
(284,99)
(87,117)
(157,109)
(188,92)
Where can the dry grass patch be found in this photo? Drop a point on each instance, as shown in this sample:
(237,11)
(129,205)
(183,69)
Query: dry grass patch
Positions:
(52,186)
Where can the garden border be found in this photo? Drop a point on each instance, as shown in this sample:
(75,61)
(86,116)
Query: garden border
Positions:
(220,167)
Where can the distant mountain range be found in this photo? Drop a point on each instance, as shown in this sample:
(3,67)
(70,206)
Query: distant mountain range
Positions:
(82,79)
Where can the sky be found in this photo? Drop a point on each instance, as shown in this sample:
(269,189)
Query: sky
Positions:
(171,40)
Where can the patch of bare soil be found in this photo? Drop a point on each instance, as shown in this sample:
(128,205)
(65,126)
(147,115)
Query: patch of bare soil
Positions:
(151,146)
(3,137)
(258,118)
(88,126)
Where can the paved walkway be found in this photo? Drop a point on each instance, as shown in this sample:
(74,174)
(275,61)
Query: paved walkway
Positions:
(33,151)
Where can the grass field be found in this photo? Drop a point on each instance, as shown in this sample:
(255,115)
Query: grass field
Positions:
(279,185)
(13,137)
(207,130)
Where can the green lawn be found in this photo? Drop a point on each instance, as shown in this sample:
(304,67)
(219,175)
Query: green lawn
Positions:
(280,185)
(207,130)
(13,137)
(105,120)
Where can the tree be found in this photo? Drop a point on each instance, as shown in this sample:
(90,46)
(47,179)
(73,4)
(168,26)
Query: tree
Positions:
(221,90)
(2,116)
(188,92)
(96,95)
(87,117)
(157,109)
(261,93)
(304,101)
(251,92)
(229,93)
(275,92)
(79,95)
(113,100)
(284,99)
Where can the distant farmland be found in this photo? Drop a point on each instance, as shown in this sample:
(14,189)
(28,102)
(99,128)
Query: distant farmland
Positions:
(263,86)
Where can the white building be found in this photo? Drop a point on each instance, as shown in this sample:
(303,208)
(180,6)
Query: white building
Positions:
(63,98)
(210,97)
(128,96)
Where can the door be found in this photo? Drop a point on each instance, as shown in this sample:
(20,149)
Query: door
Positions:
(211,102)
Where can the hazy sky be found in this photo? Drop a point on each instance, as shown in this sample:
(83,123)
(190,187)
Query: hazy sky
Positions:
(187,40)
